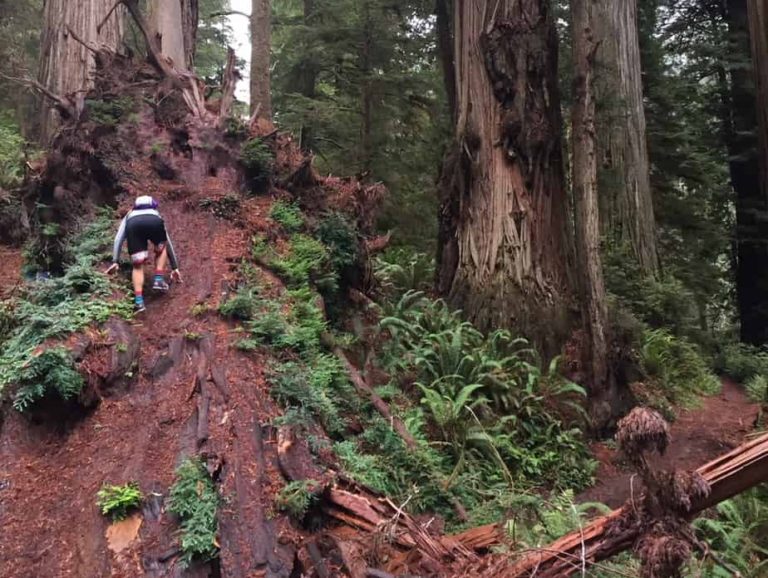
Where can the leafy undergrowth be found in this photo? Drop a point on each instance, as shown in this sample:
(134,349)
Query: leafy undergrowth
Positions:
(194,499)
(491,423)
(118,501)
(52,309)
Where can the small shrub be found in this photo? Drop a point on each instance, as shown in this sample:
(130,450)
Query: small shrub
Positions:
(118,501)
(109,112)
(51,372)
(340,238)
(240,306)
(742,362)
(307,260)
(296,498)
(199,310)
(287,215)
(258,160)
(194,500)
(11,153)
(678,367)
(757,388)
(400,271)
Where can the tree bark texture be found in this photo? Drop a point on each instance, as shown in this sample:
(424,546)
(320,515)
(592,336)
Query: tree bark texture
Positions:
(174,22)
(758,31)
(444,31)
(751,201)
(65,64)
(585,198)
(261,91)
(626,201)
(504,233)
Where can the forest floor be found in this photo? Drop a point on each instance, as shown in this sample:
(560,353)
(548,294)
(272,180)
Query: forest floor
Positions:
(698,435)
(49,477)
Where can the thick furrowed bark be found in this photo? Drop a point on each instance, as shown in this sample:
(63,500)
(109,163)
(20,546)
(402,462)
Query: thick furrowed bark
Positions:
(66,64)
(586,206)
(751,201)
(626,202)
(504,235)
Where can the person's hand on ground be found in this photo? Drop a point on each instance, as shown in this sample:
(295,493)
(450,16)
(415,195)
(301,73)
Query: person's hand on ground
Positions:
(112,268)
(176,276)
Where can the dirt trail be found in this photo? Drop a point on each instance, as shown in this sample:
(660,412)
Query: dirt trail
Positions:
(49,479)
(698,436)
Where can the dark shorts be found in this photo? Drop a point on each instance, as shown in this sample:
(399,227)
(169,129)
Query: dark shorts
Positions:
(140,231)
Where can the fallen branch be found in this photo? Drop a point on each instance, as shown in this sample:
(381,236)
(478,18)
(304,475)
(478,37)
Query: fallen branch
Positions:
(366,390)
(64,105)
(728,475)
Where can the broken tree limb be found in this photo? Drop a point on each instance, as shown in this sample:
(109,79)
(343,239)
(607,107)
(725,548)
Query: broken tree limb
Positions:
(366,390)
(729,475)
(64,105)
(228,86)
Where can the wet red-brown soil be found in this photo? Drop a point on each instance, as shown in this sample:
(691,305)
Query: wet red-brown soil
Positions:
(187,372)
(10,270)
(698,436)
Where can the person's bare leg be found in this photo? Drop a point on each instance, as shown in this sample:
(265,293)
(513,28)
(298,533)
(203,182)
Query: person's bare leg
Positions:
(138,285)
(138,278)
(161,260)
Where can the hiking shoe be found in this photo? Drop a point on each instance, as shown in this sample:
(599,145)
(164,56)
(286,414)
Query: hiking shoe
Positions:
(139,307)
(160,285)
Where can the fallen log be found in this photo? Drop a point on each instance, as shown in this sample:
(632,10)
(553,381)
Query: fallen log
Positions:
(729,475)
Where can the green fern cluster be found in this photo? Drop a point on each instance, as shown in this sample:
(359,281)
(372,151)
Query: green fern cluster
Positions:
(677,367)
(118,501)
(287,215)
(50,373)
(109,112)
(737,531)
(307,260)
(259,162)
(400,271)
(11,153)
(193,498)
(56,308)
(487,396)
(296,498)
(340,237)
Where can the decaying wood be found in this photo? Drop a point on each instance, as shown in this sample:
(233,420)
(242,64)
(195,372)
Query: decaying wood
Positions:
(231,76)
(362,509)
(729,475)
(381,406)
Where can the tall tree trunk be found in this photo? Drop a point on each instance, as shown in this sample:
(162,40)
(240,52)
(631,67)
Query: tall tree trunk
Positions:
(65,64)
(587,216)
(758,31)
(751,199)
(366,91)
(445,50)
(307,80)
(626,202)
(504,256)
(261,42)
(175,23)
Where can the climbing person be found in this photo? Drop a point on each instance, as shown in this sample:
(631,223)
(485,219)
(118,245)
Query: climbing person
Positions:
(140,226)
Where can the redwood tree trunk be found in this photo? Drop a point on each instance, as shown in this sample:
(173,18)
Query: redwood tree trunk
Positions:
(758,31)
(587,217)
(504,232)
(626,202)
(751,200)
(261,34)
(445,50)
(65,64)
(175,23)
